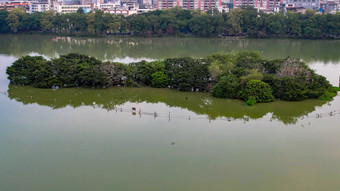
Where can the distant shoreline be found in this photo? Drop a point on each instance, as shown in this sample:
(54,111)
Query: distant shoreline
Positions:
(245,22)
(84,35)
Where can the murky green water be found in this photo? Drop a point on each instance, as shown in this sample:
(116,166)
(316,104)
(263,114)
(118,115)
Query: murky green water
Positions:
(89,139)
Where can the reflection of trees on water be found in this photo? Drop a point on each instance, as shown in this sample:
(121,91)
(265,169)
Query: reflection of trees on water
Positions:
(159,48)
(199,103)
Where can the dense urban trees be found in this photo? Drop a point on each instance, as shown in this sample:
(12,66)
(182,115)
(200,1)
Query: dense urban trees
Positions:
(245,21)
(242,75)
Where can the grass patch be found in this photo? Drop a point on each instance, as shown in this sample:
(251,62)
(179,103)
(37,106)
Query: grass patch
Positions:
(328,95)
(336,88)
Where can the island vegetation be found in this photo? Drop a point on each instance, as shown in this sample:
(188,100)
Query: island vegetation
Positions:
(244,21)
(241,75)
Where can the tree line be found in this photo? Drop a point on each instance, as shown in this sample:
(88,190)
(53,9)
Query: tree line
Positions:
(242,75)
(244,21)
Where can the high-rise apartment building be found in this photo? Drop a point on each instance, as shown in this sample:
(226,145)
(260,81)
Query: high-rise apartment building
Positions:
(307,4)
(165,4)
(189,4)
(260,4)
(86,2)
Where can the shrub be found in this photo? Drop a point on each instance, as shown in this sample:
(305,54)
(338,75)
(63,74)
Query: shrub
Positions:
(257,90)
(227,87)
(251,101)
(329,94)
(290,89)
(159,80)
(239,71)
(336,88)
(317,86)
(251,74)
(248,59)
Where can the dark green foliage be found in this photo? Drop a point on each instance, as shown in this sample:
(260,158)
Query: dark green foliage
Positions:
(248,60)
(290,89)
(80,11)
(72,70)
(227,87)
(159,80)
(22,70)
(3,23)
(244,21)
(141,72)
(187,74)
(317,85)
(77,70)
(269,79)
(271,66)
(259,91)
(239,71)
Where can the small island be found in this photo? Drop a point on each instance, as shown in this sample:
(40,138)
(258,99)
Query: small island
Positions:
(242,75)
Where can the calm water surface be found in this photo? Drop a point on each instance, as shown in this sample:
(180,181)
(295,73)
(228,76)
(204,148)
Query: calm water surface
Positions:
(89,139)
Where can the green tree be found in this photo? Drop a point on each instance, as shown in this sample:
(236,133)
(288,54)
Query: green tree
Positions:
(290,89)
(13,19)
(275,24)
(227,87)
(46,21)
(3,23)
(80,11)
(257,91)
(91,23)
(234,22)
(99,23)
(22,71)
(249,17)
(293,24)
(159,80)
(188,74)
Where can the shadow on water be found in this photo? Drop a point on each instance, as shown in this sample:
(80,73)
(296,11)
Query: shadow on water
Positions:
(199,103)
(158,48)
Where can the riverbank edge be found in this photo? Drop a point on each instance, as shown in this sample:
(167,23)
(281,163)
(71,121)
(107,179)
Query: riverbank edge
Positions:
(40,33)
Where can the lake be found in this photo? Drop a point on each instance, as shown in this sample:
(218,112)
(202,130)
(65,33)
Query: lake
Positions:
(91,139)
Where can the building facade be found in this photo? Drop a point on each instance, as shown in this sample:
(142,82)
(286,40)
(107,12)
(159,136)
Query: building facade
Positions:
(259,4)
(72,8)
(10,5)
(189,4)
(39,7)
(307,4)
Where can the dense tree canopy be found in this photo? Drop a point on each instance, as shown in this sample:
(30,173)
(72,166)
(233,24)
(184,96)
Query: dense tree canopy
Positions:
(245,21)
(244,75)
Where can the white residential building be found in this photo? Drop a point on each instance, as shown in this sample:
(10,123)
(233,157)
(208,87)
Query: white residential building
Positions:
(72,8)
(39,7)
(102,6)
